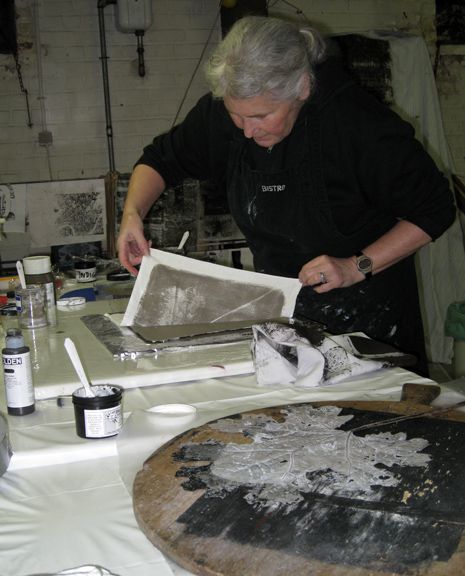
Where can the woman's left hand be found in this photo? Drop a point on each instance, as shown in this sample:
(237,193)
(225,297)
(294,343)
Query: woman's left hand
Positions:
(325,273)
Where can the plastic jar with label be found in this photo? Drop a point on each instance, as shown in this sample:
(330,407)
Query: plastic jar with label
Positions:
(38,271)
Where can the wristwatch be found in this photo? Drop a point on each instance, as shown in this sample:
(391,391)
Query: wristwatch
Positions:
(364,264)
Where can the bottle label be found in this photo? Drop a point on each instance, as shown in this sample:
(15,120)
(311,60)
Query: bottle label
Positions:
(102,423)
(17,375)
(86,275)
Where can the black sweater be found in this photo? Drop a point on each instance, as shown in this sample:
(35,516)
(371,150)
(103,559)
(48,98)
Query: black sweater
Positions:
(372,165)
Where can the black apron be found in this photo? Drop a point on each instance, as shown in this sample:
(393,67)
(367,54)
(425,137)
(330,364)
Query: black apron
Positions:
(285,216)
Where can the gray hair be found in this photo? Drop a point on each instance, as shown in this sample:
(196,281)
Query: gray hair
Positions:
(262,55)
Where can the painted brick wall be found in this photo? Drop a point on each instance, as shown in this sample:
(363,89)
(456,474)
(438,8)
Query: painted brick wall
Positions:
(73,87)
(141,107)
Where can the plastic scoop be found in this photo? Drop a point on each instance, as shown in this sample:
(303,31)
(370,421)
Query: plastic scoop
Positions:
(74,357)
(22,278)
(184,239)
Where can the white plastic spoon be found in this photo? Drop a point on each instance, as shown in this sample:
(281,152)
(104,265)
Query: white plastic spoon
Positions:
(184,238)
(74,357)
(20,269)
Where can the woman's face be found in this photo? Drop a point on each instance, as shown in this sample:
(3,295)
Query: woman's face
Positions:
(266,120)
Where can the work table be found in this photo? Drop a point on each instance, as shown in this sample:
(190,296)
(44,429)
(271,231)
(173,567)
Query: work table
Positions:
(66,501)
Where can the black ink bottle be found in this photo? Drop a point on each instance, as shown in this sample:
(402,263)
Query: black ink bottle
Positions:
(17,374)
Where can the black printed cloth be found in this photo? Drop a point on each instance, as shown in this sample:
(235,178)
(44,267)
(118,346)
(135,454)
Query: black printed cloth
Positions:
(307,356)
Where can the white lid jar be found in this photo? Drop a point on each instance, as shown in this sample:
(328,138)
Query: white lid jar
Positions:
(37,265)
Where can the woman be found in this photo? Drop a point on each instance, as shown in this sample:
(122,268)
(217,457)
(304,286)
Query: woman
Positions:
(327,184)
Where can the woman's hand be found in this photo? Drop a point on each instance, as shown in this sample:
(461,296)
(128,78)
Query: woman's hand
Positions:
(325,273)
(145,187)
(131,243)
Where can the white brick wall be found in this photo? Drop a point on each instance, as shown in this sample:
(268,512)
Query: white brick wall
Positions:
(143,107)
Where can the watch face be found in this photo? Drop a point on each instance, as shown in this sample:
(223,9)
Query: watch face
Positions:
(364,264)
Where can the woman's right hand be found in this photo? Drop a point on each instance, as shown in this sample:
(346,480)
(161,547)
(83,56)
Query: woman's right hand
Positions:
(131,243)
(145,187)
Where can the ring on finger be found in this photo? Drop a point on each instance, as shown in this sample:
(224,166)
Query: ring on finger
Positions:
(323,279)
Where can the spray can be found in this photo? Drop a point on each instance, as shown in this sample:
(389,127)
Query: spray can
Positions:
(17,374)
(38,271)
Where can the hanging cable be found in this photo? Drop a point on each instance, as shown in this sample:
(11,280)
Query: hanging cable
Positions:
(45,136)
(186,92)
(41,97)
(298,10)
(10,46)
(22,87)
(101,4)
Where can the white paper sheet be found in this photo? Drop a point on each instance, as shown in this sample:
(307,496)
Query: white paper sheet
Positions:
(173,289)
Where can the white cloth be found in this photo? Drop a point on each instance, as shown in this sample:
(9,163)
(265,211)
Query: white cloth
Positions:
(284,358)
(439,263)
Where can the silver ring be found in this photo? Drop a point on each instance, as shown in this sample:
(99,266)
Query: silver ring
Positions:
(323,279)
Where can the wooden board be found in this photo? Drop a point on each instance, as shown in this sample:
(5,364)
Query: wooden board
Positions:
(206,524)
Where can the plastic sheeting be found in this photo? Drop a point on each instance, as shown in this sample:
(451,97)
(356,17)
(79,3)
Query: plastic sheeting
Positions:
(60,516)
(65,501)
(81,571)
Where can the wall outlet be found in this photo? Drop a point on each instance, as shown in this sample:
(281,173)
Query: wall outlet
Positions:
(45,138)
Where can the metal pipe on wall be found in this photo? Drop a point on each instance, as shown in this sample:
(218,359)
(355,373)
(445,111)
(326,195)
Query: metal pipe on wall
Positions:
(106,86)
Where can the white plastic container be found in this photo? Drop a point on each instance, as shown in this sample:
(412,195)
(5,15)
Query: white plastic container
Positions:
(134,15)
